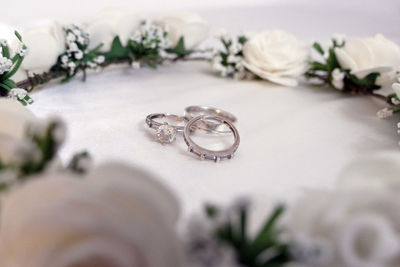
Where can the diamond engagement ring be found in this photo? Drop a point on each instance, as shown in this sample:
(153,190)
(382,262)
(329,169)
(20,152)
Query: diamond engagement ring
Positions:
(204,153)
(165,133)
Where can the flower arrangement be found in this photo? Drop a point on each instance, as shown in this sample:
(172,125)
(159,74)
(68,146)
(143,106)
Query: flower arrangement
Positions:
(85,218)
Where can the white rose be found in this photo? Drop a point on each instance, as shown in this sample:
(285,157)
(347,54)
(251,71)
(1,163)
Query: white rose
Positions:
(108,24)
(45,43)
(190,26)
(276,56)
(367,55)
(117,217)
(355,225)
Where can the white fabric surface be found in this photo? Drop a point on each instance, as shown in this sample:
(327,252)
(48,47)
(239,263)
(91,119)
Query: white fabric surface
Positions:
(291,138)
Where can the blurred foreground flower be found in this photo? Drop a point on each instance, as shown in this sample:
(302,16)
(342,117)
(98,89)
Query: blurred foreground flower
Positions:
(117,217)
(355,225)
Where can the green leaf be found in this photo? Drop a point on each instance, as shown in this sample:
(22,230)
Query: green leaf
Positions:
(48,148)
(242,39)
(180,49)
(211,210)
(266,237)
(368,82)
(96,49)
(10,83)
(319,48)
(18,35)
(243,227)
(332,62)
(318,66)
(6,51)
(14,69)
(117,51)
(5,86)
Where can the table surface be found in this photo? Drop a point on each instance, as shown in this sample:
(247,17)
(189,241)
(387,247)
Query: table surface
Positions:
(291,138)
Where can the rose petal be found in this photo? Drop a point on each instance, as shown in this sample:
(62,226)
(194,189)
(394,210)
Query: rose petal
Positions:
(386,52)
(45,44)
(14,118)
(192,27)
(345,61)
(364,72)
(138,184)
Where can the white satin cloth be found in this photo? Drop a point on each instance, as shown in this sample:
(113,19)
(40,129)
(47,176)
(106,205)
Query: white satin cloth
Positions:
(291,138)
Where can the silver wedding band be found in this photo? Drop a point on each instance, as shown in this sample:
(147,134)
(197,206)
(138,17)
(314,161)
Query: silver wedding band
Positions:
(208,126)
(203,153)
(194,111)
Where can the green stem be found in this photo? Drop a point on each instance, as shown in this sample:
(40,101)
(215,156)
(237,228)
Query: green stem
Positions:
(14,70)
(6,51)
(39,79)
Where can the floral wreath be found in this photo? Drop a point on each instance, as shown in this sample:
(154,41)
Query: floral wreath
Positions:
(364,233)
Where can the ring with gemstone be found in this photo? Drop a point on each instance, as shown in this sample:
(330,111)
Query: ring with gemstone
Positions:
(204,153)
(165,133)
(208,126)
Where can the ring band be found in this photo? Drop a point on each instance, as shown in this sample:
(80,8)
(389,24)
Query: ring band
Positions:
(165,133)
(194,111)
(204,153)
(155,124)
(207,126)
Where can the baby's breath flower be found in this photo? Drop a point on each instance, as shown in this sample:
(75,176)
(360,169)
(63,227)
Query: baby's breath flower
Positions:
(72,47)
(21,50)
(71,66)
(151,36)
(71,37)
(78,54)
(229,62)
(64,59)
(223,35)
(100,59)
(18,94)
(135,64)
(3,42)
(384,113)
(232,58)
(5,65)
(235,48)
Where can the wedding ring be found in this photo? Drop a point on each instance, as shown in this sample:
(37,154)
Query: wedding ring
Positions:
(165,133)
(204,153)
(194,111)
(208,126)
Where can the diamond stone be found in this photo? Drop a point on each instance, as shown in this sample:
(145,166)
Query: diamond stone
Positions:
(166,134)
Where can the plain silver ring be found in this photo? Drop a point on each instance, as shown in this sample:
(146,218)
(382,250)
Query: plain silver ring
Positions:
(194,111)
(207,126)
(204,153)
